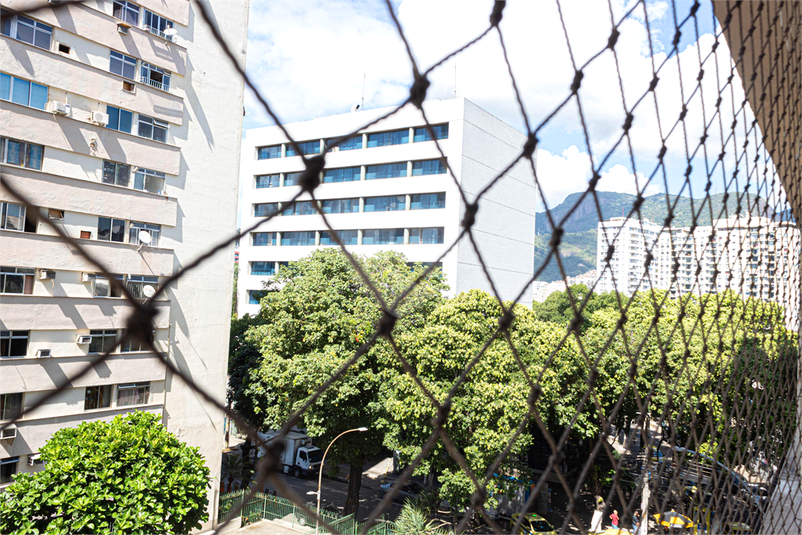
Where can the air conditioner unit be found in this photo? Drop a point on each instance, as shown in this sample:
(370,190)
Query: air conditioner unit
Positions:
(43,353)
(47,274)
(123,28)
(98,117)
(83,340)
(58,107)
(8,433)
(87,277)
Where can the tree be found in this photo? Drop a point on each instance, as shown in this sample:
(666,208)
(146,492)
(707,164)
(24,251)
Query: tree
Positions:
(125,476)
(315,315)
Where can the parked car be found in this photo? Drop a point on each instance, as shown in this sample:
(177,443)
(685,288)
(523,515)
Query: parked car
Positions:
(533,524)
(411,489)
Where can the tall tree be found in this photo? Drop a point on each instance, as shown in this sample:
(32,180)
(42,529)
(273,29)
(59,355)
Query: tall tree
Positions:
(125,476)
(315,315)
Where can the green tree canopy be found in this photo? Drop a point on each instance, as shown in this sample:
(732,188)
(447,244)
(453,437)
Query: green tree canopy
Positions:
(315,316)
(125,476)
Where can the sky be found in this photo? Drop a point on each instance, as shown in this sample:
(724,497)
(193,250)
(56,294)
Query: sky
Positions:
(313,58)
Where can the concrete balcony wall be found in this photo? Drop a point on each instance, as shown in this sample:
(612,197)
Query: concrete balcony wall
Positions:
(68,134)
(95,82)
(38,251)
(81,20)
(82,196)
(56,313)
(40,375)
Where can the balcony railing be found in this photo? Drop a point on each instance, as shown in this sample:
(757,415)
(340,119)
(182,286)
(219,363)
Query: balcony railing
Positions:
(156,84)
(156,31)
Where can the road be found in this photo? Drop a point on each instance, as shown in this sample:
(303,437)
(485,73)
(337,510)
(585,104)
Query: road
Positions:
(335,490)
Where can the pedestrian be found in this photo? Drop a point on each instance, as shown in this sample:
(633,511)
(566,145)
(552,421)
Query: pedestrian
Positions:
(635,522)
(614,518)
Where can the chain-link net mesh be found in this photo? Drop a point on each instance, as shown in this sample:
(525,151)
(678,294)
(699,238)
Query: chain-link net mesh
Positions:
(685,392)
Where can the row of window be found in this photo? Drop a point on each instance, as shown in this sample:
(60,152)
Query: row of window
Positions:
(147,127)
(14,344)
(128,12)
(378,139)
(399,236)
(149,74)
(119,174)
(353,174)
(21,153)
(422,201)
(22,92)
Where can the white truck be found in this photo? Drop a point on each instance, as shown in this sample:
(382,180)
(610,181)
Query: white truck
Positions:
(300,457)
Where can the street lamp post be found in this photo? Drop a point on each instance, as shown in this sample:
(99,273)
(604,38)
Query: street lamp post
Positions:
(320,472)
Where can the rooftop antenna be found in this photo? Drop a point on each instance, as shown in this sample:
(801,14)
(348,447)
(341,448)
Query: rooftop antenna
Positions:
(364,76)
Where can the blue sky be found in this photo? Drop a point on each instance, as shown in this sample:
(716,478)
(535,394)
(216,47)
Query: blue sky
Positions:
(311,58)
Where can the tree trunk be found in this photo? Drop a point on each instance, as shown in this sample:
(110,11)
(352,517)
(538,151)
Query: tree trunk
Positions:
(354,485)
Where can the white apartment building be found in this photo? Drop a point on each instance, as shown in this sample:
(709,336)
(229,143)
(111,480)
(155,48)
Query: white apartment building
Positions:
(753,256)
(121,123)
(388,188)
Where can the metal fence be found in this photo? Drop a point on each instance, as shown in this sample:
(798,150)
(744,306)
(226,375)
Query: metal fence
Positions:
(706,381)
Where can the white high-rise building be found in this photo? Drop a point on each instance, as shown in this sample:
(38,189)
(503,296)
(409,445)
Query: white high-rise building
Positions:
(753,256)
(121,123)
(388,188)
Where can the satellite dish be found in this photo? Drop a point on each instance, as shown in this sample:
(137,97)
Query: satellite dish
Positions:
(170,32)
(149,290)
(144,237)
(355,107)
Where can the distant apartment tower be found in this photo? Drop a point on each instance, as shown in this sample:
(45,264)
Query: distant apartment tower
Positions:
(753,256)
(121,124)
(388,188)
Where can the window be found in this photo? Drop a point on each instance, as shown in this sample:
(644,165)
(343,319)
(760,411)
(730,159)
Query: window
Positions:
(110,229)
(102,340)
(255,296)
(351,143)
(20,153)
(268,153)
(426,235)
(155,77)
(8,467)
(300,208)
(440,132)
(16,280)
(389,170)
(263,238)
(348,237)
(383,236)
(115,173)
(102,286)
(136,285)
(22,91)
(10,406)
(428,167)
(298,238)
(152,128)
(307,147)
(123,65)
(263,268)
(97,397)
(156,24)
(292,179)
(384,139)
(267,181)
(64,49)
(12,216)
(26,30)
(120,120)
(154,231)
(133,394)
(341,206)
(386,204)
(147,180)
(126,12)
(265,209)
(345,174)
(14,343)
(428,201)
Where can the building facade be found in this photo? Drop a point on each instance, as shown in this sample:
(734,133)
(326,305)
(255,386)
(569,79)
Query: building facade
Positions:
(121,124)
(388,187)
(753,256)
